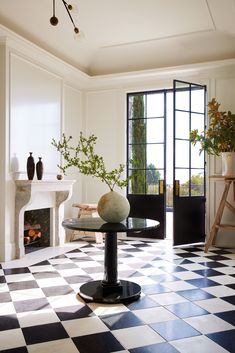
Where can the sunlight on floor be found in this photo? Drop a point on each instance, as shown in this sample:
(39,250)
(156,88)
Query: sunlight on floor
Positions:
(169,225)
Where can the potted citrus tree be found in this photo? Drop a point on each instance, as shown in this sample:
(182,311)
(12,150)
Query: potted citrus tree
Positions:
(112,206)
(219,137)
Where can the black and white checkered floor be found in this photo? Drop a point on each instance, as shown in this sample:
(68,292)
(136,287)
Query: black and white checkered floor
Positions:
(187,302)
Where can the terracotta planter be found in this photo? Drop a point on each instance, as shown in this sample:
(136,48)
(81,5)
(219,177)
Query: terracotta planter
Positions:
(228,163)
(113,207)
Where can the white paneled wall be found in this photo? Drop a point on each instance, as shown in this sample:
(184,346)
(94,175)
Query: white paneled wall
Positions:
(106,118)
(224,88)
(41,96)
(37,103)
(3,146)
(72,125)
(35,115)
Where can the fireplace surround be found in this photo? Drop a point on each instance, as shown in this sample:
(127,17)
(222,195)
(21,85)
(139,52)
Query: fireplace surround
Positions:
(39,194)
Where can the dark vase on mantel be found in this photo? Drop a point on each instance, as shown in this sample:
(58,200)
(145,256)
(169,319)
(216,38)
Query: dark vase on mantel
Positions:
(39,169)
(30,166)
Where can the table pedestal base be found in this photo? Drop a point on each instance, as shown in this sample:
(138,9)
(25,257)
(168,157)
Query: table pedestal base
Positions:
(94,291)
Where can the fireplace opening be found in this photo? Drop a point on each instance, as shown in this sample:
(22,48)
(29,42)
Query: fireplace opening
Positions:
(36,229)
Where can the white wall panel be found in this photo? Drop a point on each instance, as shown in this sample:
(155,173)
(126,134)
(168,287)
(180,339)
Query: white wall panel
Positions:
(224,93)
(106,119)
(3,110)
(35,115)
(72,125)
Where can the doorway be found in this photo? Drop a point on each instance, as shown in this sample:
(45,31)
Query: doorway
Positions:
(158,123)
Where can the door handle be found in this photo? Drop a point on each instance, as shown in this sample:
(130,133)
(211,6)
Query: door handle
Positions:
(161,186)
(177,188)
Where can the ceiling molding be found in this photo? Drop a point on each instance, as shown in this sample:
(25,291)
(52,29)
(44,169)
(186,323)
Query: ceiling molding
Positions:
(158,39)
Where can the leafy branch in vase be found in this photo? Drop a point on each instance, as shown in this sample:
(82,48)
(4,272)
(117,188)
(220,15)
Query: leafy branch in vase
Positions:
(84,158)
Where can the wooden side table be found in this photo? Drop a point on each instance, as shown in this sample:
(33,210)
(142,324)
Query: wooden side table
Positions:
(228,181)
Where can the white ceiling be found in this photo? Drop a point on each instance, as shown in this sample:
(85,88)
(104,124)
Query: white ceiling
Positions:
(128,35)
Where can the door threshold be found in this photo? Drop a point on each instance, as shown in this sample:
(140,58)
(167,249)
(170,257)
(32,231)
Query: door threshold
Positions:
(121,237)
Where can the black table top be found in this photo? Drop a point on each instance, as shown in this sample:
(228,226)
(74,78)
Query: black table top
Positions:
(96,224)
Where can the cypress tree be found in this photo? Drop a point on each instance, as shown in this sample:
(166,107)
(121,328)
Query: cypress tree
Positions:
(138,133)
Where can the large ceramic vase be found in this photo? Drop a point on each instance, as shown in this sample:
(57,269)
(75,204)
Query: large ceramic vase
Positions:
(228,163)
(30,166)
(113,207)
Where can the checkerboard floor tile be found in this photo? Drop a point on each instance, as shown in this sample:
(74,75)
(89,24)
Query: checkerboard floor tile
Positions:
(187,302)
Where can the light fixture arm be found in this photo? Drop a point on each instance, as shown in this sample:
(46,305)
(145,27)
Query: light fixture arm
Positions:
(76,30)
(54,20)
(53,8)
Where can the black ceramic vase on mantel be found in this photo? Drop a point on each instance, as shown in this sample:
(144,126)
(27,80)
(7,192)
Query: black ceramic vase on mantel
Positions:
(39,168)
(30,166)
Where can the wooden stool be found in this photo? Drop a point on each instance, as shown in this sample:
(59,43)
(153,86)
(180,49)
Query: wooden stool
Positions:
(87,210)
(228,181)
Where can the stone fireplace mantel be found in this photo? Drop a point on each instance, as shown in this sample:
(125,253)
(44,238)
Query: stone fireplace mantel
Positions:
(38,194)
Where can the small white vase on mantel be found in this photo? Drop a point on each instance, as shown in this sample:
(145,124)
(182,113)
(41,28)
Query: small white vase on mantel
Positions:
(228,163)
(113,207)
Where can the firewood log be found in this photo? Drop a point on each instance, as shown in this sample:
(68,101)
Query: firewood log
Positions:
(27,240)
(36,236)
(31,232)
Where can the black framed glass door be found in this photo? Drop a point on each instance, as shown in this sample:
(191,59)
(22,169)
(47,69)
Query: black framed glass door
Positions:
(188,165)
(146,130)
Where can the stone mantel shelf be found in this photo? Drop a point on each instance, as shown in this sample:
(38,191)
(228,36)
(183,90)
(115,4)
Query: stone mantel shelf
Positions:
(45,185)
(38,194)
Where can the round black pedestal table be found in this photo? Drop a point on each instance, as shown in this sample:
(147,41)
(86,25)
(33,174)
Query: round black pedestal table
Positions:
(110,289)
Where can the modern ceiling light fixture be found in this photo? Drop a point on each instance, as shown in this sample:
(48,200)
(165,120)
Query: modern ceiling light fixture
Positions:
(54,20)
